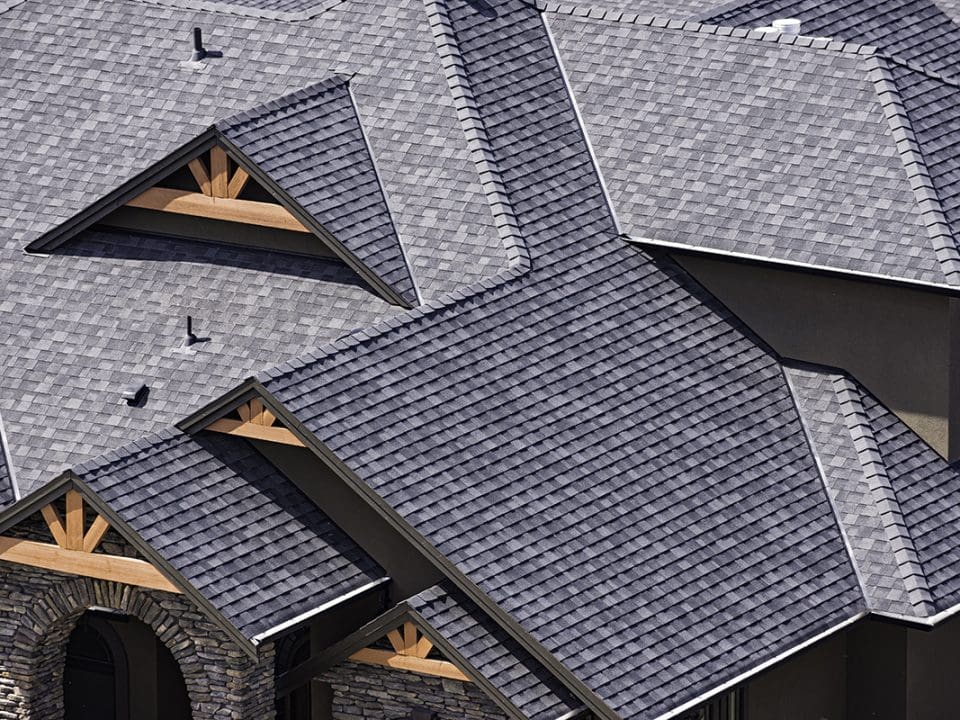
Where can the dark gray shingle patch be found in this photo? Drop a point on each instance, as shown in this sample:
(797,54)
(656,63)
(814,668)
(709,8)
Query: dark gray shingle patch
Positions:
(570,438)
(312,145)
(896,497)
(493,653)
(856,495)
(241,533)
(741,145)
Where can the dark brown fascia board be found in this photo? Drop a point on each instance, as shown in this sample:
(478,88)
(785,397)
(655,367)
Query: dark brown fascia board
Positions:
(447,568)
(374,630)
(307,220)
(71,481)
(120,196)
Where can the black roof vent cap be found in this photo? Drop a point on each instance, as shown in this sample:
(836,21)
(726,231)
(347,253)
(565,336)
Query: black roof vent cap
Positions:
(135,393)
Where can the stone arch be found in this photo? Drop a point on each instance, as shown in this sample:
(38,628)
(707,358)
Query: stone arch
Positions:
(50,618)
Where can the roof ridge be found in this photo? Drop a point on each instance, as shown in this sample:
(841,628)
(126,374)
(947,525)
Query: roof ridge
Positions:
(931,207)
(281,101)
(865,445)
(660,22)
(952,80)
(478,141)
(228,8)
(126,452)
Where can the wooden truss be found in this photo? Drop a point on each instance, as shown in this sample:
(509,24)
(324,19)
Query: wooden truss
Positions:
(74,553)
(254,421)
(218,197)
(410,650)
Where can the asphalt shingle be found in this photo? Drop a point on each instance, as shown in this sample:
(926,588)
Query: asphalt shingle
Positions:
(738,144)
(493,653)
(238,530)
(312,145)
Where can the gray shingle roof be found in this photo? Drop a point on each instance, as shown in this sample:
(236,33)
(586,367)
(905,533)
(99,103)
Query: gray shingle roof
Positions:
(760,148)
(311,144)
(568,438)
(493,653)
(896,498)
(918,31)
(109,309)
(240,532)
(107,112)
(95,92)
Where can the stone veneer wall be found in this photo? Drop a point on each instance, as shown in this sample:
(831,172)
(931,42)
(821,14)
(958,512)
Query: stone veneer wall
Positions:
(371,692)
(38,611)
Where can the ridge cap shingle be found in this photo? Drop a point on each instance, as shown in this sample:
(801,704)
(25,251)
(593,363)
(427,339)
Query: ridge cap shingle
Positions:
(226,7)
(884,496)
(918,174)
(695,26)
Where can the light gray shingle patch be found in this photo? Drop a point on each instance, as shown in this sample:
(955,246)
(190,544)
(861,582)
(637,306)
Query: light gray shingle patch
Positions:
(75,125)
(110,309)
(569,438)
(311,144)
(285,10)
(745,145)
(241,533)
(829,405)
(493,653)
(917,30)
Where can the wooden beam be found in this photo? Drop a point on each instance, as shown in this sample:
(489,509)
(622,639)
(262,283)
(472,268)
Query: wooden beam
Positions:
(76,562)
(55,524)
(424,666)
(237,182)
(409,638)
(256,411)
(74,521)
(248,212)
(199,171)
(219,167)
(423,648)
(275,434)
(396,640)
(98,528)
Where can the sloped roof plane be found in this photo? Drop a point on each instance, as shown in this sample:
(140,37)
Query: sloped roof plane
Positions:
(733,143)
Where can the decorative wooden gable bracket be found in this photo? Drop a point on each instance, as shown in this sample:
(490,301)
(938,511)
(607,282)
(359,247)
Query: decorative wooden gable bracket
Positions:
(410,650)
(74,553)
(218,198)
(254,421)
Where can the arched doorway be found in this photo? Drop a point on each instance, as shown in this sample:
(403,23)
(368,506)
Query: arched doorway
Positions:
(117,669)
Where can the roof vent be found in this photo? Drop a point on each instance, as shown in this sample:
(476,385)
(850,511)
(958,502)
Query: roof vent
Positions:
(788,27)
(199,53)
(135,393)
(191,337)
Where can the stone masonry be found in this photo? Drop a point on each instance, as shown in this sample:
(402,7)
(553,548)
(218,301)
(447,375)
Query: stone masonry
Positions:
(370,692)
(38,611)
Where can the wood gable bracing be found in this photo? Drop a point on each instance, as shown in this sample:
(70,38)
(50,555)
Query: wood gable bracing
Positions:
(74,548)
(253,419)
(220,178)
(221,174)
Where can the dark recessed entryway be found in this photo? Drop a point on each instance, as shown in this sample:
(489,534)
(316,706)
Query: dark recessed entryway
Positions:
(117,669)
